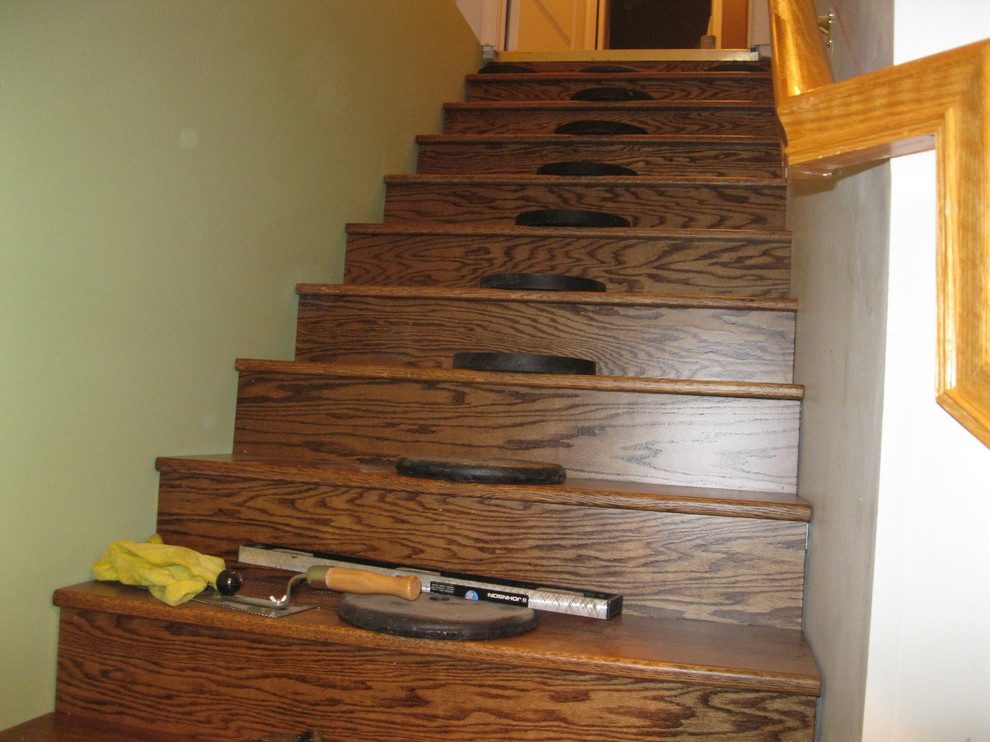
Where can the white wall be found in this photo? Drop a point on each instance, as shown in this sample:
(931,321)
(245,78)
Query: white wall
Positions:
(484,18)
(929,648)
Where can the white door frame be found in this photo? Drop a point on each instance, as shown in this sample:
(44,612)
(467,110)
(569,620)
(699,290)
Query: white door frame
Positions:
(487,19)
(492,21)
(509,15)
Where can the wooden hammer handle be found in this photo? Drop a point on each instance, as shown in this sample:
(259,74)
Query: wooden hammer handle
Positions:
(347,580)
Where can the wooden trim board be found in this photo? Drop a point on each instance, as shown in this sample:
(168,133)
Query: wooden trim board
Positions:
(881,115)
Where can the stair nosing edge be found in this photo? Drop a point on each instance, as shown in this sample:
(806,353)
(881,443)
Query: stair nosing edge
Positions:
(743,140)
(763,76)
(682,387)
(581,493)
(646,181)
(716,105)
(486,228)
(665,301)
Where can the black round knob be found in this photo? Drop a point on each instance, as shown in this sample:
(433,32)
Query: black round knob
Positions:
(229,581)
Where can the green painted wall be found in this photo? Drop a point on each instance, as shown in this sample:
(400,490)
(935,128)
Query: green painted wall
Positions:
(170,170)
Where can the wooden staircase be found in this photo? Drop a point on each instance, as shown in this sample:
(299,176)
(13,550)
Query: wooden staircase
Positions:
(681,452)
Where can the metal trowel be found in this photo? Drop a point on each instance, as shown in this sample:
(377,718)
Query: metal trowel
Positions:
(266,608)
(342,579)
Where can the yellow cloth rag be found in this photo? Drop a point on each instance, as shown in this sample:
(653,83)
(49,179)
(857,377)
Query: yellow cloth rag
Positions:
(174,574)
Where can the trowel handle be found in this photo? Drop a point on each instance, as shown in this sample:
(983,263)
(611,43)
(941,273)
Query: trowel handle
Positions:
(347,580)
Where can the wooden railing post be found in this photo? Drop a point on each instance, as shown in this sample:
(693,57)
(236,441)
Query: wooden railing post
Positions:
(799,60)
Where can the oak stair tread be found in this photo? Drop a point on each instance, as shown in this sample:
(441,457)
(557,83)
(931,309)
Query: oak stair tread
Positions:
(606,77)
(652,117)
(635,105)
(573,491)
(663,156)
(732,435)
(632,335)
(699,652)
(606,298)
(483,229)
(663,60)
(746,389)
(591,181)
(59,727)
(643,201)
(728,262)
(657,86)
(658,140)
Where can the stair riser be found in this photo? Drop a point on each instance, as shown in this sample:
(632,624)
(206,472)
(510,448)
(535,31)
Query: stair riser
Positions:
(500,87)
(666,438)
(666,206)
(229,686)
(667,343)
(657,265)
(487,119)
(668,565)
(660,159)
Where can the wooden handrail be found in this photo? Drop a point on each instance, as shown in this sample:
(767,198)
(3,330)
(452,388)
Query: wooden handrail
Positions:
(799,61)
(940,102)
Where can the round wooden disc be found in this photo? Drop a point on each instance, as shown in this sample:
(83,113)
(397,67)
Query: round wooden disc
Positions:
(524,363)
(598,128)
(491,471)
(436,617)
(504,68)
(611,93)
(736,67)
(584,168)
(569,218)
(540,282)
(607,69)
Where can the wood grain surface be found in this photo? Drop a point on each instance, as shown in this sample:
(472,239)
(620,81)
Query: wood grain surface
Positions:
(670,565)
(366,413)
(728,262)
(800,62)
(730,86)
(727,156)
(656,118)
(679,494)
(127,655)
(232,688)
(671,203)
(558,63)
(427,327)
(628,646)
(547,296)
(573,492)
(55,727)
(687,387)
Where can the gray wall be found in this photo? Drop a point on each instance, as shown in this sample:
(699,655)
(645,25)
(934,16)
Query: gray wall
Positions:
(841,236)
